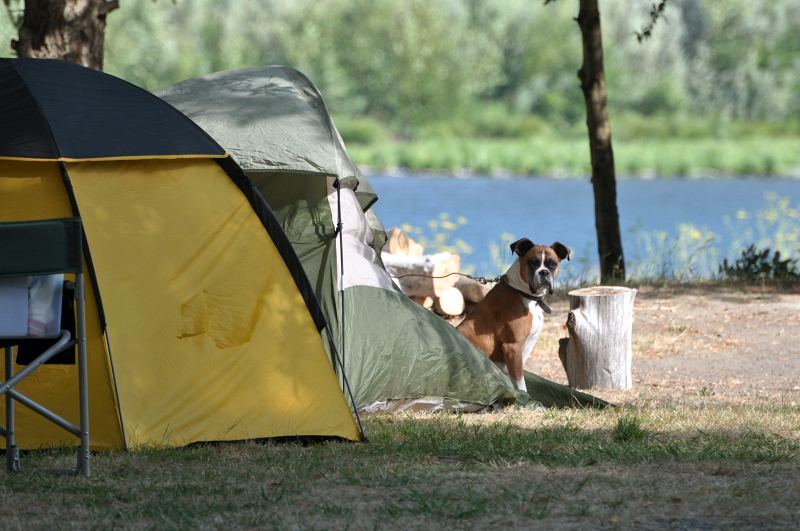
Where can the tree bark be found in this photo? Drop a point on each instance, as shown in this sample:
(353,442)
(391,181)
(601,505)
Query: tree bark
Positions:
(73,30)
(592,78)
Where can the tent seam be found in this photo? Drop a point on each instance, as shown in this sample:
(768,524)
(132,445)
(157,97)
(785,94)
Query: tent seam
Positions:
(38,108)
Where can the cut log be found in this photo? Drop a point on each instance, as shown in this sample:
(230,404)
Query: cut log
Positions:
(425,302)
(450,302)
(399,243)
(414,274)
(472,290)
(597,354)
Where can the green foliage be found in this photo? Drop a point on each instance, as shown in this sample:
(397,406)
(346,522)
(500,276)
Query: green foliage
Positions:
(756,265)
(414,61)
(9,15)
(360,130)
(567,155)
(416,65)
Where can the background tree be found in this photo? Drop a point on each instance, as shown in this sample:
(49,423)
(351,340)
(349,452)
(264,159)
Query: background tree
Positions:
(604,182)
(73,30)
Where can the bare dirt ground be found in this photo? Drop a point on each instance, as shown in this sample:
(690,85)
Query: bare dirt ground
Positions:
(704,348)
(733,343)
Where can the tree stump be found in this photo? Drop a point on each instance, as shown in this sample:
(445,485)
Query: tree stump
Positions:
(597,354)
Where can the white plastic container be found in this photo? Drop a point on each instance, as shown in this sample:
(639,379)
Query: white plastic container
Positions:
(31,306)
(44,305)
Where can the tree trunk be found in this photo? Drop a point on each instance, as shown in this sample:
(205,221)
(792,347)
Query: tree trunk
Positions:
(592,77)
(73,30)
(597,354)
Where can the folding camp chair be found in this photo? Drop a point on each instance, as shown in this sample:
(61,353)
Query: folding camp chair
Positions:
(29,251)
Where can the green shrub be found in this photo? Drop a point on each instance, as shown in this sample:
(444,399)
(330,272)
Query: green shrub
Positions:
(757,265)
(360,130)
(496,121)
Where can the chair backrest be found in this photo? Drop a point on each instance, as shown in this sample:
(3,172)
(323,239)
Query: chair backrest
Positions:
(42,247)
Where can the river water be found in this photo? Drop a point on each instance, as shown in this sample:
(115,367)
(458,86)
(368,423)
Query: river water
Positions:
(736,211)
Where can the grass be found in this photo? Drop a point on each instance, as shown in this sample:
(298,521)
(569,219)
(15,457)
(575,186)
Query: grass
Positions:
(424,471)
(569,157)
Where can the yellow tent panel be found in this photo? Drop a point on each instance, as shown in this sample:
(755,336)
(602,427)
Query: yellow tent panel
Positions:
(205,321)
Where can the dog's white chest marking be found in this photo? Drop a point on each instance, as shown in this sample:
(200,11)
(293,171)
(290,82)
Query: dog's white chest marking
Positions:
(537,323)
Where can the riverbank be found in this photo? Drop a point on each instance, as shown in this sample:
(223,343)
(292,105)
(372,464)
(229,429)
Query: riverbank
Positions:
(562,157)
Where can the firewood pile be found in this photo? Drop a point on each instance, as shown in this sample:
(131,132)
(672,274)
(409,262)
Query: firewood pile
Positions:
(430,280)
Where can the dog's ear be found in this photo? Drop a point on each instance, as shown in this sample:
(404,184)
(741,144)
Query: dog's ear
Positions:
(520,247)
(562,251)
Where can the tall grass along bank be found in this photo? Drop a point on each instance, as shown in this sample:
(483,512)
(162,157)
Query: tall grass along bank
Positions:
(569,157)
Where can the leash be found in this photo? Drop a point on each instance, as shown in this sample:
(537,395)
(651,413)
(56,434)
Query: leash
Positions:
(484,280)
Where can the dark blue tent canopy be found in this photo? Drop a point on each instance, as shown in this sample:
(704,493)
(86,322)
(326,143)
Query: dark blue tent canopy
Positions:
(54,110)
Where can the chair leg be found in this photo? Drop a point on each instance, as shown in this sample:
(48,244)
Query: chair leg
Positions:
(83,378)
(12,454)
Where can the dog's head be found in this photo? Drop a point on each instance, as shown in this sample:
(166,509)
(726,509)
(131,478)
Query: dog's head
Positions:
(539,264)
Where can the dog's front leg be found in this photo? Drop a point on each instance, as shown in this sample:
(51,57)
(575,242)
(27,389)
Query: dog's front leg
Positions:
(513,356)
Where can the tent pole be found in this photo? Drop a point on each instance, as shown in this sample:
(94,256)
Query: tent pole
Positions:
(339,232)
(345,383)
(337,183)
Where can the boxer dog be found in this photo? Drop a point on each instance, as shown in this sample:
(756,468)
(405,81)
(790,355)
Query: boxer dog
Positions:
(507,322)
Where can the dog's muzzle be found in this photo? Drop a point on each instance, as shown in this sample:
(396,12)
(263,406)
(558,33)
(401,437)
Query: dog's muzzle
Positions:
(546,278)
(540,278)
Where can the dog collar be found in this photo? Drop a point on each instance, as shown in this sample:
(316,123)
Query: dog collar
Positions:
(539,300)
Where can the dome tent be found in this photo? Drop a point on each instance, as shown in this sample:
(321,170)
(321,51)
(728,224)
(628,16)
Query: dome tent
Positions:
(201,323)
(397,355)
